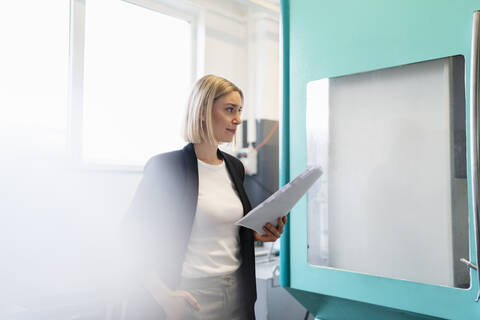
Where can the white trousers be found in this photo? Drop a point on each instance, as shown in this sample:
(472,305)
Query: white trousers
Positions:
(219,298)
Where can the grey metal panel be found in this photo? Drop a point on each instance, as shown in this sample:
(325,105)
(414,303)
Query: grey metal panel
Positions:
(394,180)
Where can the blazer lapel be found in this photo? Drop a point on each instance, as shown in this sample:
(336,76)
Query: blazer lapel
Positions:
(191,179)
(237,181)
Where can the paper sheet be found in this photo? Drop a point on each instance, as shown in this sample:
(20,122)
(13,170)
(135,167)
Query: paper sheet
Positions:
(281,202)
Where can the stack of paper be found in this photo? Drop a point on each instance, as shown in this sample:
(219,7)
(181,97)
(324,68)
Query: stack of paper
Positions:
(281,202)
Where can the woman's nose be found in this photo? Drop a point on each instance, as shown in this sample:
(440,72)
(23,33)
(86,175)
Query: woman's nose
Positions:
(237,120)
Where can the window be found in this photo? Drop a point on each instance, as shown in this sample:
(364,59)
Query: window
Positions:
(33,77)
(138,72)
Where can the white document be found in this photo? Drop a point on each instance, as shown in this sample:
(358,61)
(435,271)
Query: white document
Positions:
(281,202)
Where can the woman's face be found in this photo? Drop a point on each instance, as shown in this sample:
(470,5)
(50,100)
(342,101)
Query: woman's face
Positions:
(226,113)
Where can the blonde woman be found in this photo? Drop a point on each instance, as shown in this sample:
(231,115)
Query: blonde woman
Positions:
(192,261)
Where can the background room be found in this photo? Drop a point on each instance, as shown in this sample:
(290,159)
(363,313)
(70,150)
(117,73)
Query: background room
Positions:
(89,91)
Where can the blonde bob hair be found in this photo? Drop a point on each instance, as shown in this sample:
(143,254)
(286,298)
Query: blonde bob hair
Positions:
(198,118)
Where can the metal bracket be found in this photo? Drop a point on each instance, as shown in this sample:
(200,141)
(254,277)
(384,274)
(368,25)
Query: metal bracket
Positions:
(468,263)
(471,266)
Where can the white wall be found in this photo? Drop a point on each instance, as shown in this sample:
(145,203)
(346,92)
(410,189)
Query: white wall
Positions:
(242,45)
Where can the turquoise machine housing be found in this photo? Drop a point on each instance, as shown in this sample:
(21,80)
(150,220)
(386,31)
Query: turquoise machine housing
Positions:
(324,39)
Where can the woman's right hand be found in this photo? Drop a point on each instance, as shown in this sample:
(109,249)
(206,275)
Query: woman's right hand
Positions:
(177,302)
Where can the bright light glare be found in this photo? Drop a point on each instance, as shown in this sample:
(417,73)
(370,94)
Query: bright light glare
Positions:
(137,77)
(33,73)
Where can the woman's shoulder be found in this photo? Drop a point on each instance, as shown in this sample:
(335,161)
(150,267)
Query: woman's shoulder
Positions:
(163,160)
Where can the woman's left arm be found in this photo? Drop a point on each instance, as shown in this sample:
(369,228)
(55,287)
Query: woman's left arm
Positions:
(272,233)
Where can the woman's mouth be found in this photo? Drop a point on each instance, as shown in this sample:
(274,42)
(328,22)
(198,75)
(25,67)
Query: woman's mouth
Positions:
(231,131)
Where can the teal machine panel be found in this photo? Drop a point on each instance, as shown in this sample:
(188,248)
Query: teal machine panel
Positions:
(351,43)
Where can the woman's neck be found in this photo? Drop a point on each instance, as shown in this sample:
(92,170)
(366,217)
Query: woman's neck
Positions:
(207,152)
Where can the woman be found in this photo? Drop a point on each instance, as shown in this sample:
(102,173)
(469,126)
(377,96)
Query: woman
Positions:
(193,262)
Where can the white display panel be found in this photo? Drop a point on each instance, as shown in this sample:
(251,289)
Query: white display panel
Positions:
(393,199)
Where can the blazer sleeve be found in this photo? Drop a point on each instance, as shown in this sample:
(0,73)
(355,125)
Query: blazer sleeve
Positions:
(155,228)
(141,239)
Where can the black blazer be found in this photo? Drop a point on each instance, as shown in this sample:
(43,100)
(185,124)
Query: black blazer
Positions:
(158,224)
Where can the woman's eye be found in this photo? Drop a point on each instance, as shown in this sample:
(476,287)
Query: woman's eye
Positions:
(230,109)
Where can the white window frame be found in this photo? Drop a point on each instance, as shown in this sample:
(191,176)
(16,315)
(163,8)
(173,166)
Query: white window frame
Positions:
(175,8)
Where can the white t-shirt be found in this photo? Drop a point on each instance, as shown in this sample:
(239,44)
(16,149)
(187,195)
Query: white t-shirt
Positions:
(214,242)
